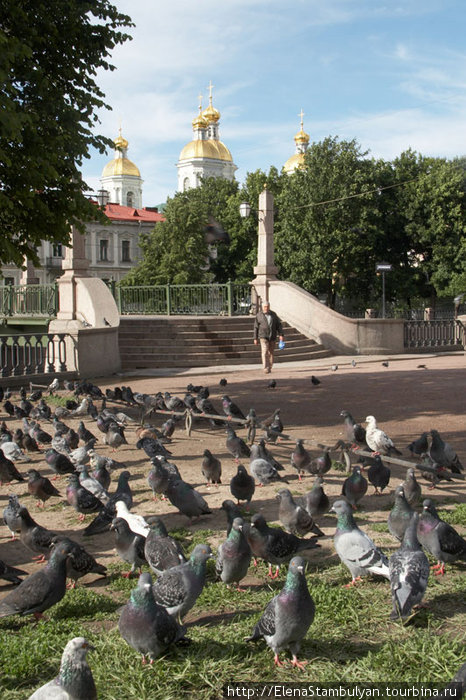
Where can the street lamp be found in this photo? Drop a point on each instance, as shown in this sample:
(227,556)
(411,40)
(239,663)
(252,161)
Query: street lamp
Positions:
(383,267)
(244,210)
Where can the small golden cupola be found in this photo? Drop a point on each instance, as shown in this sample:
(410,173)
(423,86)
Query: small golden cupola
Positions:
(296,162)
(121,177)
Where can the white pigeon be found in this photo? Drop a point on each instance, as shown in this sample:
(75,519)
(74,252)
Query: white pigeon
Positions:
(82,408)
(377,440)
(136,522)
(54,386)
(12,451)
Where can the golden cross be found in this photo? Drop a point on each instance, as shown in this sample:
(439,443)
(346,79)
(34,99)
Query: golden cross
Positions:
(301,114)
(199,97)
(210,86)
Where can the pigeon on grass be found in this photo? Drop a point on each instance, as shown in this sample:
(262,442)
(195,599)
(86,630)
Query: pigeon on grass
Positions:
(400,515)
(129,545)
(161,551)
(316,501)
(75,680)
(295,518)
(80,562)
(409,573)
(288,616)
(234,556)
(11,573)
(356,549)
(439,538)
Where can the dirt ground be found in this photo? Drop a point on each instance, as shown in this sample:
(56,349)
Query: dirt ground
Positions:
(406,400)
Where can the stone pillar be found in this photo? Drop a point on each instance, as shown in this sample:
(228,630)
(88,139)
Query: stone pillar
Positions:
(75,265)
(265,270)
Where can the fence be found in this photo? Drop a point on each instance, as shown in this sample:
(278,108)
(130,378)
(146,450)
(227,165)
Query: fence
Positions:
(434,334)
(29,300)
(32,354)
(230,299)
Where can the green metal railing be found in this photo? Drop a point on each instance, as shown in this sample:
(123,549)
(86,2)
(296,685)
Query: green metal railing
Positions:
(29,300)
(230,299)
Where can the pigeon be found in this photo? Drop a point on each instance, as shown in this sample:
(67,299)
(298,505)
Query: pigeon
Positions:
(72,439)
(115,436)
(231,409)
(411,488)
(385,363)
(274,545)
(25,441)
(145,625)
(173,403)
(322,464)
(92,484)
(9,408)
(35,537)
(136,522)
(233,556)
(334,368)
(419,446)
(168,428)
(188,501)
(41,589)
(129,545)
(40,487)
(161,551)
(288,616)
(354,487)
(13,451)
(377,440)
(300,458)
(356,549)
(211,468)
(8,471)
(271,384)
(81,455)
(354,432)
(264,453)
(262,470)
(80,562)
(433,472)
(11,515)
(75,680)
(152,447)
(10,573)
(82,500)
(443,454)
(232,511)
(206,407)
(223,382)
(316,501)
(102,475)
(236,445)
(242,485)
(295,518)
(54,385)
(315,381)
(439,538)
(58,462)
(409,572)
(400,515)
(274,421)
(378,475)
(41,436)
(158,479)
(178,588)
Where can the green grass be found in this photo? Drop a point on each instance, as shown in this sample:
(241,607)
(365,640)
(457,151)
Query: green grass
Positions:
(457,516)
(351,638)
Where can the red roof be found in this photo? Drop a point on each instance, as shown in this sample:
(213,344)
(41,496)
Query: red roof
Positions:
(117,212)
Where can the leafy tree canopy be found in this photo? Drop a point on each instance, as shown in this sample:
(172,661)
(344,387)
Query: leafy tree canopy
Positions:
(50,51)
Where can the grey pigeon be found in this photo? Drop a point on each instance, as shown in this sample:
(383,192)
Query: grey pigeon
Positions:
(11,573)
(262,470)
(316,501)
(411,488)
(232,511)
(80,562)
(439,538)
(35,537)
(82,500)
(419,446)
(80,455)
(40,487)
(242,485)
(274,545)
(211,468)
(75,680)
(356,549)
(409,573)
(115,436)
(354,487)
(322,464)
(288,616)
(295,518)
(300,458)
(145,624)
(8,471)
(377,440)
(400,515)
(268,456)
(42,589)
(188,501)
(354,432)
(103,519)
(11,515)
(236,445)
(58,462)
(161,551)
(443,454)
(379,475)
(234,555)
(102,475)
(129,545)
(231,409)
(91,484)
(158,479)
(178,588)
(433,472)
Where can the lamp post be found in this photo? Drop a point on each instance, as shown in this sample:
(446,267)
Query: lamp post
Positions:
(383,267)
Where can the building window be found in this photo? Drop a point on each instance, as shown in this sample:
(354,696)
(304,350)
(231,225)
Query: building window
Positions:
(103,250)
(130,199)
(125,256)
(9,280)
(57,250)
(186,184)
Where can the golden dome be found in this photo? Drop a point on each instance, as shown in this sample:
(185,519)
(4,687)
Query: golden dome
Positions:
(120,142)
(211,114)
(120,166)
(206,149)
(302,137)
(296,162)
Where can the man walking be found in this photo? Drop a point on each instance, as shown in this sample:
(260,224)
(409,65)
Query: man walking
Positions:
(267,326)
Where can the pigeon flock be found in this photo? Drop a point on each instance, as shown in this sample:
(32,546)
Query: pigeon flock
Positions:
(80,452)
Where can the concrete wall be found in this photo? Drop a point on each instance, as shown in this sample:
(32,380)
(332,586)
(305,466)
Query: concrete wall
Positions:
(343,335)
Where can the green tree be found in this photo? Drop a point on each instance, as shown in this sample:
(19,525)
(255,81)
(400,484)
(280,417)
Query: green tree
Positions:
(50,51)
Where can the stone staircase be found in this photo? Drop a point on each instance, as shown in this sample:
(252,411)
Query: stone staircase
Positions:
(201,341)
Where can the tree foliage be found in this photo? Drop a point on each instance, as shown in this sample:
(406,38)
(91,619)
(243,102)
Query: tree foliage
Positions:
(50,51)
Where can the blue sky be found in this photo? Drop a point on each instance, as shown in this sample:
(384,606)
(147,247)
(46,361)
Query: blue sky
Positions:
(390,74)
